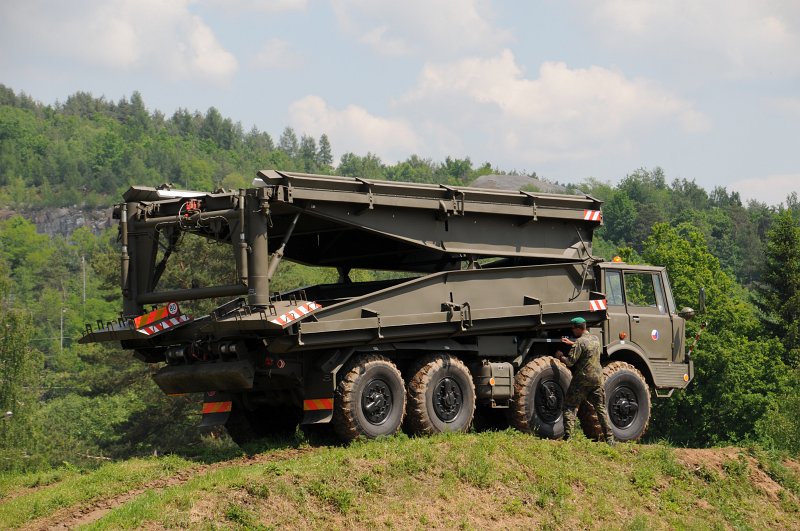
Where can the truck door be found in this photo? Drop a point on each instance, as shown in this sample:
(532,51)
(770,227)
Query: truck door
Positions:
(618,321)
(651,325)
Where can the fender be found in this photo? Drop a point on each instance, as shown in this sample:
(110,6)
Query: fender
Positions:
(633,354)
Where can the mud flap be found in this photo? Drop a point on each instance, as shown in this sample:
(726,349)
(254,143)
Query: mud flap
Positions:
(318,402)
(216,408)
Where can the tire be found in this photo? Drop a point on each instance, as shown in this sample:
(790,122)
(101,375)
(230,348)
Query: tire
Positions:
(441,396)
(540,388)
(627,401)
(245,426)
(370,399)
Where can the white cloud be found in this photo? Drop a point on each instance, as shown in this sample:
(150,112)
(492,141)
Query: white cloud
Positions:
(377,39)
(770,189)
(564,114)
(739,38)
(120,35)
(435,29)
(277,54)
(262,6)
(354,129)
(787,105)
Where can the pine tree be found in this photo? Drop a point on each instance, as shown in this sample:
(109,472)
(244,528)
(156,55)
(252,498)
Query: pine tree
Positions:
(324,154)
(308,154)
(288,142)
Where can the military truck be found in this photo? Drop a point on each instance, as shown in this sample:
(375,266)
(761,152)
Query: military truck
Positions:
(482,289)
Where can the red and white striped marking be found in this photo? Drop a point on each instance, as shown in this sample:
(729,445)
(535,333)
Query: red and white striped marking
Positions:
(597,305)
(166,324)
(592,215)
(298,313)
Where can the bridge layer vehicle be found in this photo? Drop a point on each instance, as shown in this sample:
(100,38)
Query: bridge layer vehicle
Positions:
(477,287)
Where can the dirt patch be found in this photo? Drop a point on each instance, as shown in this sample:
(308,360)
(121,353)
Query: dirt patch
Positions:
(708,458)
(92,511)
(792,465)
(715,459)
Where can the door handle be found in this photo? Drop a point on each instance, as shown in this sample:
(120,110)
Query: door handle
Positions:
(635,318)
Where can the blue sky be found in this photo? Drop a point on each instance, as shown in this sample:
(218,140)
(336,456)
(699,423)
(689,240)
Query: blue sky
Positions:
(573,89)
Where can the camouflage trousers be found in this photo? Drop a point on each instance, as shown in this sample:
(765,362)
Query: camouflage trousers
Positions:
(592,393)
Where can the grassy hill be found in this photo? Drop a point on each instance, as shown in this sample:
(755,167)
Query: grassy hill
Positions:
(474,481)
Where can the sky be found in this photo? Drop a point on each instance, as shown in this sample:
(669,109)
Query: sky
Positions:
(570,89)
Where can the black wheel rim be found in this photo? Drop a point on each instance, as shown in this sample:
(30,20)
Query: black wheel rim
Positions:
(376,401)
(549,401)
(623,406)
(447,399)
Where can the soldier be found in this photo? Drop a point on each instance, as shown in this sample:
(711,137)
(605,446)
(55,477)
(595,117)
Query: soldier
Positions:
(587,379)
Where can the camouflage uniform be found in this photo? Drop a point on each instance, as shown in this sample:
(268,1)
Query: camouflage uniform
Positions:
(587,383)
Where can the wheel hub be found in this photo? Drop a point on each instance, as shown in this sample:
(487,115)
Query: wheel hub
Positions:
(447,399)
(376,402)
(549,401)
(624,407)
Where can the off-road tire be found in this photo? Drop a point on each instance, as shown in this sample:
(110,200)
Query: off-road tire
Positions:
(441,396)
(368,374)
(539,379)
(619,375)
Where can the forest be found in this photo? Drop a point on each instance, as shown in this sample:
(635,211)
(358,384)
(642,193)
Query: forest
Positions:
(79,404)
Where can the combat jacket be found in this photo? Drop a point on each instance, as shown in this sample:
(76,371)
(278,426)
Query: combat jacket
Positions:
(584,358)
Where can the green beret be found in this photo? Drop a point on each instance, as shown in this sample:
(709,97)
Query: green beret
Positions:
(578,321)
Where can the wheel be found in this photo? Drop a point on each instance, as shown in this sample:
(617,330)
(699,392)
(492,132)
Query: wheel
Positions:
(244,425)
(627,401)
(441,396)
(370,399)
(540,387)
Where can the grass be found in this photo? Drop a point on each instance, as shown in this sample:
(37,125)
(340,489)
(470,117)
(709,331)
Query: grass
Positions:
(31,496)
(473,481)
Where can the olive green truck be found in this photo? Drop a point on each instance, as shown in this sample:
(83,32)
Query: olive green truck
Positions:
(477,289)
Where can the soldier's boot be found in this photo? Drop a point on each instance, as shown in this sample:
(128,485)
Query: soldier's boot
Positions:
(570,420)
(602,417)
(608,433)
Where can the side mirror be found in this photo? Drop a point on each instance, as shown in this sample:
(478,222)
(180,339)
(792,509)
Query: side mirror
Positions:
(686,313)
(701,300)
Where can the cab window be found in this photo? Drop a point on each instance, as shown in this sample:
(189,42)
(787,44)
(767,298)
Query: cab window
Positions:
(642,291)
(614,288)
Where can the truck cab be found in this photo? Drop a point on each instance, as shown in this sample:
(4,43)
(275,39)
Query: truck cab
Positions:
(644,326)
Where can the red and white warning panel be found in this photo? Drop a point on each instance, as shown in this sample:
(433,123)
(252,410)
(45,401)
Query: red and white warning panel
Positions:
(316,404)
(216,408)
(295,314)
(592,215)
(598,305)
(172,322)
(161,319)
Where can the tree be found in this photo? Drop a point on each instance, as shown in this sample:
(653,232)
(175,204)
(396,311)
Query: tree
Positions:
(288,142)
(779,293)
(739,374)
(324,154)
(367,167)
(19,370)
(308,154)
(619,219)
